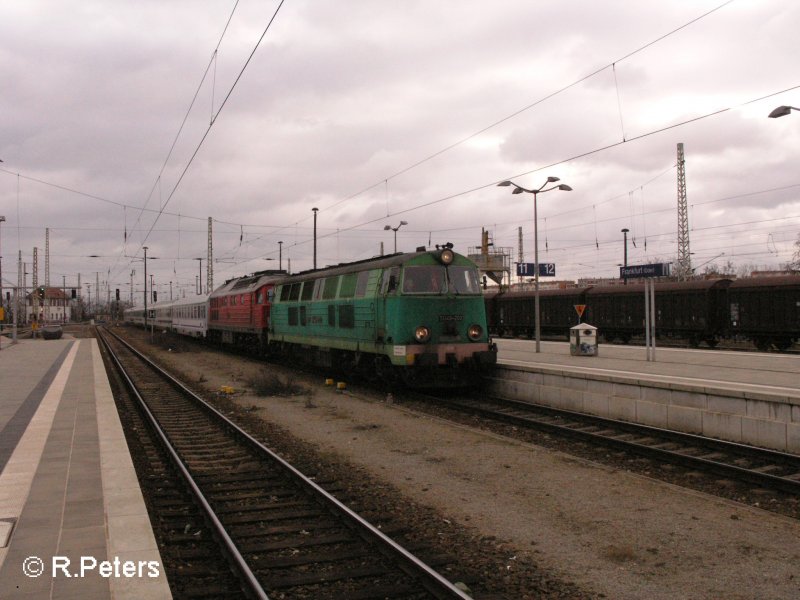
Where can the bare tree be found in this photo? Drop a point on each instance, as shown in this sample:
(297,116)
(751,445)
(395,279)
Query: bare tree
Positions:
(794,264)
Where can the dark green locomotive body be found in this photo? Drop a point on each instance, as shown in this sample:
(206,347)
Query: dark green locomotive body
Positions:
(418,316)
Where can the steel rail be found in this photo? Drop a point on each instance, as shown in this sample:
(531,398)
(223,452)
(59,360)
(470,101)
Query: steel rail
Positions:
(247,576)
(675,456)
(431,580)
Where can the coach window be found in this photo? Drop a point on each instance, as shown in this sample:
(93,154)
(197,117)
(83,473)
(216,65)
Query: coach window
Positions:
(308,291)
(294,293)
(319,284)
(260,299)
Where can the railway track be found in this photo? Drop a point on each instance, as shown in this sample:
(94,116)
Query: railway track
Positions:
(283,536)
(756,466)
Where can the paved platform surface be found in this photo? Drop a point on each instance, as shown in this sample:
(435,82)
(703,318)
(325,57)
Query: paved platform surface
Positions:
(72,519)
(757,372)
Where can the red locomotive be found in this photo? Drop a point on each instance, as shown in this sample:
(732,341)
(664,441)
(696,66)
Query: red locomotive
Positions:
(239,311)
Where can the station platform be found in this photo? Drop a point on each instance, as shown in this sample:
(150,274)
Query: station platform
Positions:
(73,523)
(764,372)
(747,397)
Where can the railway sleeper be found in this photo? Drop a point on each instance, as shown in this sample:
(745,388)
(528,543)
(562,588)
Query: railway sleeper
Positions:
(303,541)
(715,456)
(214,478)
(766,469)
(233,509)
(250,535)
(309,579)
(286,515)
(341,552)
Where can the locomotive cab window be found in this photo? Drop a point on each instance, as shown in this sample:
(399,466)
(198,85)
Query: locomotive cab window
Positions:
(427,279)
(390,278)
(463,280)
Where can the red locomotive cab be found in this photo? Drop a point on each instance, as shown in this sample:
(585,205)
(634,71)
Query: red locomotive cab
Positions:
(240,311)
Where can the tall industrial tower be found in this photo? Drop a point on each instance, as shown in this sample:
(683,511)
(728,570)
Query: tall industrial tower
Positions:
(684,266)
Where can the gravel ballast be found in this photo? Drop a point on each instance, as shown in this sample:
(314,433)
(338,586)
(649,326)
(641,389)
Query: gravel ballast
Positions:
(609,532)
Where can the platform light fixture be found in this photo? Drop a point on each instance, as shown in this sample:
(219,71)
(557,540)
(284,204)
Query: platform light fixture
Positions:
(782,111)
(388,227)
(542,189)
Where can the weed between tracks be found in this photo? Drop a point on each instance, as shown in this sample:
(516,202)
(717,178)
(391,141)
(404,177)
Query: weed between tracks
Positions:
(266,383)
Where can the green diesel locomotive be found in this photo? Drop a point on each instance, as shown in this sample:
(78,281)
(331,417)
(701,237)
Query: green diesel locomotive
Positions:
(417,317)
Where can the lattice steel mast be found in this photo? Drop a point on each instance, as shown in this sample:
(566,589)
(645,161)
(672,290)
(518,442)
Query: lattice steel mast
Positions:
(210,261)
(684,269)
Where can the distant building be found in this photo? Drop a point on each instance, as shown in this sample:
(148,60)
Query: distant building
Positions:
(54,307)
(781,273)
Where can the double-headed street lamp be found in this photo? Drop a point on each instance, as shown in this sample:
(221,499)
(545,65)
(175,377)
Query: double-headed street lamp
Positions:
(388,227)
(782,111)
(200,285)
(625,231)
(519,190)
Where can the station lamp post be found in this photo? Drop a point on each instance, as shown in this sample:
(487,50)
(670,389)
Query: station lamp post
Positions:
(2,306)
(782,111)
(145,287)
(542,189)
(625,256)
(315,237)
(388,227)
(200,286)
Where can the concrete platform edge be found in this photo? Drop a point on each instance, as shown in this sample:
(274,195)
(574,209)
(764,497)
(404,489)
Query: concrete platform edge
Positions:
(128,530)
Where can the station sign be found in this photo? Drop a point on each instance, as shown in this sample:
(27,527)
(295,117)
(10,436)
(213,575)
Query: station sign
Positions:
(529,269)
(653,270)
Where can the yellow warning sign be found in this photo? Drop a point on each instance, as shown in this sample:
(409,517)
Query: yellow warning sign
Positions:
(579,308)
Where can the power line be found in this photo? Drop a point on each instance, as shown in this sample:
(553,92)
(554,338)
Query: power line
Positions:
(549,96)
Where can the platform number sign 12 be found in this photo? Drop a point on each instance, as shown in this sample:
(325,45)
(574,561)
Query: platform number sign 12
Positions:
(529,269)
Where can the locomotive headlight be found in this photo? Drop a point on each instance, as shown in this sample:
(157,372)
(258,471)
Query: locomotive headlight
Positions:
(446,256)
(474,332)
(422,334)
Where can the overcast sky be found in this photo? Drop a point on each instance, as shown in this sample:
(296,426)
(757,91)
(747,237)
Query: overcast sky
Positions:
(376,112)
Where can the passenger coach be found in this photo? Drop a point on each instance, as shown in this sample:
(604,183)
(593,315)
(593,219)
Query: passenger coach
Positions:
(418,316)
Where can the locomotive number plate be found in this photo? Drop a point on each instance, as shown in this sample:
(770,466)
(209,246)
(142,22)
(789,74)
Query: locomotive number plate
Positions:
(445,318)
